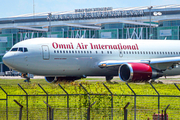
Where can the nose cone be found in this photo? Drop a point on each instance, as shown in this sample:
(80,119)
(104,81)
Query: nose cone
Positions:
(8,59)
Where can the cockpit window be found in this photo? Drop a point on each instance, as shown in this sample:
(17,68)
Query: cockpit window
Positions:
(20,49)
(14,49)
(25,50)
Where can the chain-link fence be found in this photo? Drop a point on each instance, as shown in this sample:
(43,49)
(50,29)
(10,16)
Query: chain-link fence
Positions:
(87,105)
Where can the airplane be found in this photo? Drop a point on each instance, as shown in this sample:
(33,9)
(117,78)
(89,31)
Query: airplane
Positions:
(71,58)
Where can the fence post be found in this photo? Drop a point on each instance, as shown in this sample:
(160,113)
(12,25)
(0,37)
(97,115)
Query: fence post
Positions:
(176,86)
(158,99)
(6,102)
(20,112)
(67,95)
(46,98)
(134,100)
(26,99)
(125,111)
(88,111)
(51,111)
(111,100)
(86,92)
(165,117)
(67,99)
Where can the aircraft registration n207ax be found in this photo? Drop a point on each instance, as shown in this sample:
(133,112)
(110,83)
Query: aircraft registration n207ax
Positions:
(71,59)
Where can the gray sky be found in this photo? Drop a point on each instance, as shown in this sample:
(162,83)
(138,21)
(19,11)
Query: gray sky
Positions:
(10,8)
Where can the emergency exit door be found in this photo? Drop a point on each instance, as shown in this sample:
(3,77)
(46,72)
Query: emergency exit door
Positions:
(45,52)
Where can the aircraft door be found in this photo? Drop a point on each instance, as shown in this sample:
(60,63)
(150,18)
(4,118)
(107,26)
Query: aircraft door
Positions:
(120,53)
(45,52)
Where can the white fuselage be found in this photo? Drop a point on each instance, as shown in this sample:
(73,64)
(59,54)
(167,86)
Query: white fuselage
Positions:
(80,57)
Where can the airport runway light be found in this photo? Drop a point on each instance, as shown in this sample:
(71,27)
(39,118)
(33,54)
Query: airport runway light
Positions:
(49,17)
(150,20)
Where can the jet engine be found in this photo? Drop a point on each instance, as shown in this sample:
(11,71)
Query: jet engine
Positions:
(137,72)
(55,79)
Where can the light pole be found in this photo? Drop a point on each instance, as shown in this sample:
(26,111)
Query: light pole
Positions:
(150,34)
(49,18)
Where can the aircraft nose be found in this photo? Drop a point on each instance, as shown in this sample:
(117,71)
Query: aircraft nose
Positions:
(8,59)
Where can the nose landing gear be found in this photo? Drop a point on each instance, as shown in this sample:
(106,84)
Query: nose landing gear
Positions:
(26,76)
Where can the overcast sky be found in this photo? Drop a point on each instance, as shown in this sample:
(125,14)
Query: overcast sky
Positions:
(10,8)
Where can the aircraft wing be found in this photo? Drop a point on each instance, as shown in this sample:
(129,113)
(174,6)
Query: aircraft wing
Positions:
(157,63)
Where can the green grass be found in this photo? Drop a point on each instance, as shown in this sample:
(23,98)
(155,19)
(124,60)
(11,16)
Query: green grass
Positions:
(146,106)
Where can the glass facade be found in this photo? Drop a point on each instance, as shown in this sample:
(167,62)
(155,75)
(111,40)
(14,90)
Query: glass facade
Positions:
(14,31)
(65,28)
(114,32)
(112,26)
(169,23)
(170,33)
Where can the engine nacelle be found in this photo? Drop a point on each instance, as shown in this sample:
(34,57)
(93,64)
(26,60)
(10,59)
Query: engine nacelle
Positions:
(67,79)
(137,72)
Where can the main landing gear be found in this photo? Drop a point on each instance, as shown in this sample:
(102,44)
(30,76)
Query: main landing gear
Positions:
(27,79)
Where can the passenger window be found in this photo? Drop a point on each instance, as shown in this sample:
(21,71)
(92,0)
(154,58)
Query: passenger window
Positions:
(54,51)
(81,51)
(25,50)
(72,51)
(60,51)
(57,51)
(90,51)
(20,49)
(84,51)
(87,51)
(102,52)
(110,52)
(107,52)
(63,51)
(69,51)
(96,52)
(75,51)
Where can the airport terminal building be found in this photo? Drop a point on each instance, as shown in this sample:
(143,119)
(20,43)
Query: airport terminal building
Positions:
(153,22)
